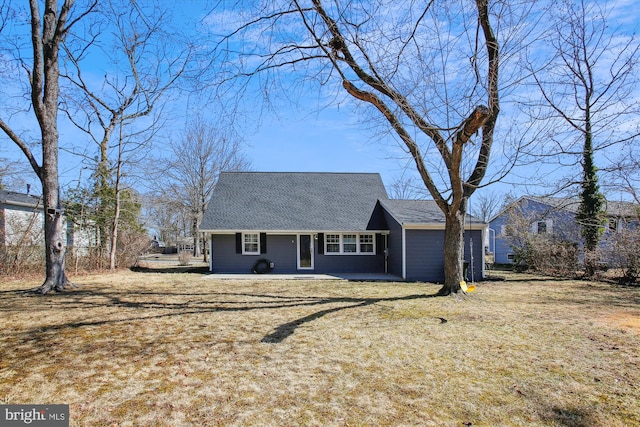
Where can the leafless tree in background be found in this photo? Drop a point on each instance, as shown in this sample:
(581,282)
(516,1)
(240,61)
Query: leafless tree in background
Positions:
(192,173)
(121,113)
(486,205)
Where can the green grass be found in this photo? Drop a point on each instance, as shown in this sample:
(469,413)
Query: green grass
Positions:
(135,348)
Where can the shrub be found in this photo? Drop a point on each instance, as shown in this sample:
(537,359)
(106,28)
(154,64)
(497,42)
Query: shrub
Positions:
(623,252)
(184,257)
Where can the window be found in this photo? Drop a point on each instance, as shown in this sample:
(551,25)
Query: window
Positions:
(351,243)
(250,243)
(542,227)
(333,243)
(366,243)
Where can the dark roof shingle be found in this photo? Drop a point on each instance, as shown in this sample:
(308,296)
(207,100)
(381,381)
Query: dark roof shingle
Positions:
(418,212)
(302,201)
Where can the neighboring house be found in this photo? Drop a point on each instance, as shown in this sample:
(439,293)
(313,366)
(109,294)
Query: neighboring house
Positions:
(21,219)
(553,216)
(327,223)
(22,224)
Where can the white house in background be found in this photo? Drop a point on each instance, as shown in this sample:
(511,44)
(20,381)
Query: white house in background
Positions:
(21,219)
(22,224)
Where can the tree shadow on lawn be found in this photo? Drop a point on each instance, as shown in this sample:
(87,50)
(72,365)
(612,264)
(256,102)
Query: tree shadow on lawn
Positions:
(202,270)
(86,298)
(285,330)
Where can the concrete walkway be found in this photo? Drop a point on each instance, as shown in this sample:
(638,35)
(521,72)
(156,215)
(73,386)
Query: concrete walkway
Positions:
(353,277)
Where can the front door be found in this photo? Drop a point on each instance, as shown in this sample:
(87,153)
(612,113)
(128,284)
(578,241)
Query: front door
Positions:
(305,252)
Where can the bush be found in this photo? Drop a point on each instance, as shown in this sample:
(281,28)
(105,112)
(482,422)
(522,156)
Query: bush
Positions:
(547,256)
(184,257)
(623,252)
(23,259)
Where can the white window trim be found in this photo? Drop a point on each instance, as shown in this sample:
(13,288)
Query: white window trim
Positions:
(341,244)
(547,222)
(244,242)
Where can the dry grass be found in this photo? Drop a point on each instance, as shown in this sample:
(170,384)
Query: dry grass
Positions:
(184,349)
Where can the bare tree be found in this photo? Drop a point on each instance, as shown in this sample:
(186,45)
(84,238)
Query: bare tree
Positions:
(192,173)
(141,70)
(623,174)
(407,188)
(486,205)
(429,70)
(586,88)
(47,33)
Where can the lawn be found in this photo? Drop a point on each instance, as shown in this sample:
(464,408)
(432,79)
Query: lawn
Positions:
(180,349)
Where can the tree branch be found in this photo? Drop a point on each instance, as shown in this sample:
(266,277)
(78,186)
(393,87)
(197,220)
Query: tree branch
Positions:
(25,149)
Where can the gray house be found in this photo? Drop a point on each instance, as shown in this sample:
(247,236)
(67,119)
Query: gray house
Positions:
(333,223)
(554,217)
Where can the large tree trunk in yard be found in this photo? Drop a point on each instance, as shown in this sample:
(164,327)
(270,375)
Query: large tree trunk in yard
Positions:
(54,225)
(453,252)
(55,242)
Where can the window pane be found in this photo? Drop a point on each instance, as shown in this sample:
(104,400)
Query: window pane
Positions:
(333,243)
(542,227)
(349,243)
(251,243)
(366,243)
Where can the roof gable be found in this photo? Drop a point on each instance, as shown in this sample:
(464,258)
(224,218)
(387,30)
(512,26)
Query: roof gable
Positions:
(545,205)
(313,201)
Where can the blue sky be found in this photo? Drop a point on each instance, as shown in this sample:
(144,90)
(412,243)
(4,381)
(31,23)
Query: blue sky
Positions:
(331,139)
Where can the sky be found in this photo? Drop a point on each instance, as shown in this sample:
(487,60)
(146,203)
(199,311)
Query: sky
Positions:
(331,139)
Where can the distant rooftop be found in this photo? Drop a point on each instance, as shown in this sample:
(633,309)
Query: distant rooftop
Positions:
(19,199)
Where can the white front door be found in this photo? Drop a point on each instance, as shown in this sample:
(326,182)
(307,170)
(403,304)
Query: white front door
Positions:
(305,252)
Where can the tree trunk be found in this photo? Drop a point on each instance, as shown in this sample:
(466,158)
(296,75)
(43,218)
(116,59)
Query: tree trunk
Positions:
(113,249)
(54,225)
(55,243)
(205,248)
(453,252)
(196,237)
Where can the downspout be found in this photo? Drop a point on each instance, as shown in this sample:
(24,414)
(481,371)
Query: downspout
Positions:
(404,253)
(386,254)
(484,254)
(210,253)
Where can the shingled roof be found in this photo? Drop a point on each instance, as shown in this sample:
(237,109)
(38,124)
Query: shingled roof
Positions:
(419,212)
(19,199)
(293,201)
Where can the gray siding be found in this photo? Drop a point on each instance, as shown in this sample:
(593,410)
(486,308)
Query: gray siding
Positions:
(425,257)
(394,242)
(282,252)
(500,246)
(425,254)
(350,263)
(474,236)
(563,226)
